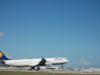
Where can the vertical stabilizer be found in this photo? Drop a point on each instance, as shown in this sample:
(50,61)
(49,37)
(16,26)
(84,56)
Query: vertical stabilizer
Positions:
(2,56)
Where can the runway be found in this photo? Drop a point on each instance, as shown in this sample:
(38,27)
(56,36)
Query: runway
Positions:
(67,71)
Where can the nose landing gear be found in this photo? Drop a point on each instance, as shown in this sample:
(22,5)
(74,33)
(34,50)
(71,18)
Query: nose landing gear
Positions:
(62,66)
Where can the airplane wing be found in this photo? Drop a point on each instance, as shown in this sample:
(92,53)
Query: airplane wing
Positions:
(38,64)
(42,62)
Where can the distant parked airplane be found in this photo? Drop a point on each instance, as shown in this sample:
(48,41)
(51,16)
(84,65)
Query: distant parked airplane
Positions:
(33,63)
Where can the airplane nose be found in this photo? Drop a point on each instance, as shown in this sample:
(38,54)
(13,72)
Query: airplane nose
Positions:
(66,61)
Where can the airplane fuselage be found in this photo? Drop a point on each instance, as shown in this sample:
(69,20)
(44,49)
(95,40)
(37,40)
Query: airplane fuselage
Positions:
(33,62)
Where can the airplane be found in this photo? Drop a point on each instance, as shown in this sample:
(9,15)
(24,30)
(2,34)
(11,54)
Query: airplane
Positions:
(33,63)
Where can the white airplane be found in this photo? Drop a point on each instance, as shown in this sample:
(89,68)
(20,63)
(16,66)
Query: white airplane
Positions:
(33,63)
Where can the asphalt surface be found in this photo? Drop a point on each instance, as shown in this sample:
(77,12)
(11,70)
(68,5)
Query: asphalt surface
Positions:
(48,70)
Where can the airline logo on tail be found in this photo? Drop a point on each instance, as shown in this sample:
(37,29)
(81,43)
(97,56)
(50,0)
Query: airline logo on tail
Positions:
(3,57)
(1,54)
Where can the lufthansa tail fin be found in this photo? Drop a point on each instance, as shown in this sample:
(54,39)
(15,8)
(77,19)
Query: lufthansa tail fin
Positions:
(2,56)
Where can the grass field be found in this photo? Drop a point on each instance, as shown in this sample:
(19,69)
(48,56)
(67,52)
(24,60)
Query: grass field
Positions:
(36,73)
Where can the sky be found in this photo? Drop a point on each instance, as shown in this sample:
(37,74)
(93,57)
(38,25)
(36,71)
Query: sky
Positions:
(51,28)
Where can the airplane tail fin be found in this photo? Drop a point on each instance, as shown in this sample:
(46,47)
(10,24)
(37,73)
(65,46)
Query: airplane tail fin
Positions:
(2,56)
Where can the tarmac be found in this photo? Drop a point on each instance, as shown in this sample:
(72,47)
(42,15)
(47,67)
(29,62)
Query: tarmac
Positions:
(26,69)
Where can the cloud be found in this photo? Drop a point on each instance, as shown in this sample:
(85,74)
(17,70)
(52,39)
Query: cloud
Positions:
(2,34)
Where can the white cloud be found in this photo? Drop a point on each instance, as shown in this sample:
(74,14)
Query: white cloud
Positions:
(2,34)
